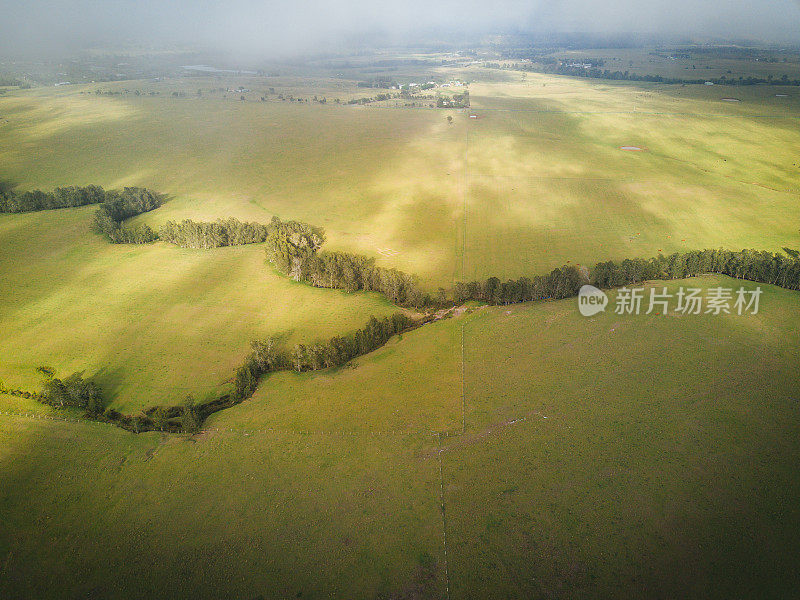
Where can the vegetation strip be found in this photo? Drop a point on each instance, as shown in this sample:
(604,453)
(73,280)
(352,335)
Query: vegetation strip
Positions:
(36,200)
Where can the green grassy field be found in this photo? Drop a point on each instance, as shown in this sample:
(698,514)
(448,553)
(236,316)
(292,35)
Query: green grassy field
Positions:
(390,390)
(520,451)
(654,458)
(535,181)
(376,179)
(615,456)
(150,323)
(548,182)
(271,516)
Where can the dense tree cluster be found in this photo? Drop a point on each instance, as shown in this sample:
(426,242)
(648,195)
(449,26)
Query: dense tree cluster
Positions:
(265,357)
(119,206)
(36,200)
(293,248)
(229,232)
(191,419)
(114,208)
(456,101)
(352,272)
(291,244)
(73,391)
(140,234)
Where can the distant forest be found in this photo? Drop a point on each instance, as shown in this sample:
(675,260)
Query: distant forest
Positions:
(549,65)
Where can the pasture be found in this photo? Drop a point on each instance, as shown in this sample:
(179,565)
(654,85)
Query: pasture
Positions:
(549,183)
(520,451)
(150,323)
(538,179)
(569,479)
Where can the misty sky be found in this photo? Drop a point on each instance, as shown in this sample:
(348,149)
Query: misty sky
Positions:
(302,25)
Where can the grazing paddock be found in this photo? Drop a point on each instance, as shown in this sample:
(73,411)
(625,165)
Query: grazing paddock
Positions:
(514,451)
(567,480)
(150,323)
(538,181)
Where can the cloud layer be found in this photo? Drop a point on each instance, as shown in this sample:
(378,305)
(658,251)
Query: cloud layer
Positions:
(267,26)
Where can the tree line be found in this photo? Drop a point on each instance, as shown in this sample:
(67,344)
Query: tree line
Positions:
(341,349)
(781,269)
(376,98)
(265,357)
(73,391)
(293,247)
(13,82)
(36,200)
(268,356)
(115,207)
(563,282)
